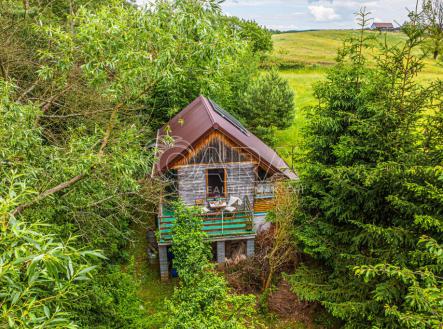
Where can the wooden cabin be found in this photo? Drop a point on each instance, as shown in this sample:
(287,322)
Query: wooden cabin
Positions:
(208,159)
(382,26)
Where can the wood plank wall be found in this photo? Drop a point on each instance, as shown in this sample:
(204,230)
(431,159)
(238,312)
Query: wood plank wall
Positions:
(263,205)
(192,180)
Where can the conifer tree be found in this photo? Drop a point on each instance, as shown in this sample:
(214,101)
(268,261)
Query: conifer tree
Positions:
(371,214)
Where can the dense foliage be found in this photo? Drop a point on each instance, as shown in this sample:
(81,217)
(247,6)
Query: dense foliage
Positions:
(259,37)
(39,276)
(83,86)
(370,223)
(268,105)
(110,300)
(39,271)
(202,299)
(432,20)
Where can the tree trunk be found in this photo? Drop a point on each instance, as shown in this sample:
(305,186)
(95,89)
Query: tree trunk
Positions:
(26,7)
(436,53)
(49,192)
(269,279)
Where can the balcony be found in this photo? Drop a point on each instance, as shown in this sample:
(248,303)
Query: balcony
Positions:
(220,224)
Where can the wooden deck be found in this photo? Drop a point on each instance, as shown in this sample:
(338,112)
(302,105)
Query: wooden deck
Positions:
(216,224)
(222,225)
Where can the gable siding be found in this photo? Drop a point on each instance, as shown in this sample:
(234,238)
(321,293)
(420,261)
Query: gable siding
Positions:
(217,152)
(214,148)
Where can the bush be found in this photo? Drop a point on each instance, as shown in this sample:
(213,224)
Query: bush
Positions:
(110,301)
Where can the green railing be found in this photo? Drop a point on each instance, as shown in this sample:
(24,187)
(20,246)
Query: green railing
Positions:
(215,224)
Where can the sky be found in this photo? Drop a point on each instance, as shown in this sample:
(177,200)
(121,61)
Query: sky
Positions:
(316,14)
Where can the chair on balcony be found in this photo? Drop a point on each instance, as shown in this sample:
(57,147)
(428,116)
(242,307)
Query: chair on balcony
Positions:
(232,201)
(201,203)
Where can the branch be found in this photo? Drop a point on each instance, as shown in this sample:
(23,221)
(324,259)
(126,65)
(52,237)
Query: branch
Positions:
(72,181)
(47,193)
(113,118)
(82,114)
(72,115)
(27,91)
(47,104)
(109,128)
(3,70)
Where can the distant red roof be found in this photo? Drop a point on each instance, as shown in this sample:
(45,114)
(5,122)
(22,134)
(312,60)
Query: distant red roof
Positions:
(383,25)
(201,117)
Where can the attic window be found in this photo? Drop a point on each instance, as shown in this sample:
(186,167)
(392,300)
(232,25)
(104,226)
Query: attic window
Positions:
(216,183)
(262,175)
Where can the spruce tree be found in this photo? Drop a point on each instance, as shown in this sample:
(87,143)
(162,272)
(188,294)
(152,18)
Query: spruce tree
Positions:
(371,215)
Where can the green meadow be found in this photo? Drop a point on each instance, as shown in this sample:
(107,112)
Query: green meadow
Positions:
(305,58)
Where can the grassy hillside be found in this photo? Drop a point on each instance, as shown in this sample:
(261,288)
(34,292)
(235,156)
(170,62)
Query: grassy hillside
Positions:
(319,48)
(307,57)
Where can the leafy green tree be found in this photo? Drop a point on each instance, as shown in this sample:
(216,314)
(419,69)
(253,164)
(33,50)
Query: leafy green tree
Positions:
(370,220)
(130,55)
(258,36)
(43,268)
(50,169)
(267,105)
(432,19)
(203,299)
(39,273)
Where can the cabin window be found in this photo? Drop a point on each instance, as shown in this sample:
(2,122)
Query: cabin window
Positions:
(262,174)
(216,183)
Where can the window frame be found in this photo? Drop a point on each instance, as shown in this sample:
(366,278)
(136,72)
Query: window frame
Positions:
(225,192)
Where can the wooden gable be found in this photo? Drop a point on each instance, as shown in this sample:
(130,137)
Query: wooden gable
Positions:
(212,149)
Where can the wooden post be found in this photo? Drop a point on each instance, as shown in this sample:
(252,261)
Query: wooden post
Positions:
(220,251)
(250,247)
(164,266)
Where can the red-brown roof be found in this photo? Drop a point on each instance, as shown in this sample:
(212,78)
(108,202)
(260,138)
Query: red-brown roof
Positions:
(383,25)
(201,117)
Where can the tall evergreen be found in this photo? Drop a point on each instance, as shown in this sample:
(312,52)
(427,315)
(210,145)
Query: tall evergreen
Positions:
(371,219)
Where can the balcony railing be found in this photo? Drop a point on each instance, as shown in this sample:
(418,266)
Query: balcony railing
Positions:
(215,224)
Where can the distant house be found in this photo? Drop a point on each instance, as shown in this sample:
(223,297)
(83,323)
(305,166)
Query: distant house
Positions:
(216,164)
(382,26)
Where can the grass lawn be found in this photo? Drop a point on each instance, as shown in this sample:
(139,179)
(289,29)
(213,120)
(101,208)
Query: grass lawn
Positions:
(316,52)
(151,290)
(302,81)
(319,48)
